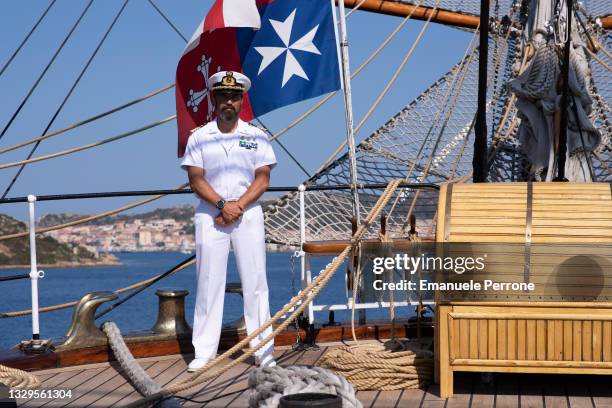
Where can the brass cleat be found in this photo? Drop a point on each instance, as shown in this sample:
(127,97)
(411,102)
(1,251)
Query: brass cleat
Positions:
(83,331)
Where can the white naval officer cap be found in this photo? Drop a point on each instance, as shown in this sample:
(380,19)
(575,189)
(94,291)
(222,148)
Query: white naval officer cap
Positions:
(229,81)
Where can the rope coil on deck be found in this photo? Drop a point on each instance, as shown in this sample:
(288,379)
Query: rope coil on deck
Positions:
(381,366)
(269,384)
(15,378)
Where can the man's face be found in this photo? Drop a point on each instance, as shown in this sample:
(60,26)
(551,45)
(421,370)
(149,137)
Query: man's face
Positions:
(228,104)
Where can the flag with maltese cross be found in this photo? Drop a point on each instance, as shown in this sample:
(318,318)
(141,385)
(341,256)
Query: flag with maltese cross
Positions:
(287,48)
(293,56)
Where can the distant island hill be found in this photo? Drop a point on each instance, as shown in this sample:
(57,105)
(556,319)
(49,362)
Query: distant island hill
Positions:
(92,243)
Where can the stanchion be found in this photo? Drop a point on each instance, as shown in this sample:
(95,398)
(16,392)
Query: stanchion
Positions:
(35,345)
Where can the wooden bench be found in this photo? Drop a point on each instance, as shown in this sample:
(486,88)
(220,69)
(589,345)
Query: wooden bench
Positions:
(528,336)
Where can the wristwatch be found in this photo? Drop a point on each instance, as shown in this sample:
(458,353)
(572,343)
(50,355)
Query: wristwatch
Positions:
(220,204)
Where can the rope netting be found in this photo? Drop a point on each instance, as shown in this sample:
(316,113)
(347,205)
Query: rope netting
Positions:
(601,90)
(427,123)
(431,141)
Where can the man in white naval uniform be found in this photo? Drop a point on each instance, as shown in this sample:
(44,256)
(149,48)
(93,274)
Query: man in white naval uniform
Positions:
(228,163)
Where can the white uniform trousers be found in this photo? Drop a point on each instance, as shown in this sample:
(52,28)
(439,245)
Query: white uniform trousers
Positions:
(212,249)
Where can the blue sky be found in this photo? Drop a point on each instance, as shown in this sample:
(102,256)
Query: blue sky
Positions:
(139,56)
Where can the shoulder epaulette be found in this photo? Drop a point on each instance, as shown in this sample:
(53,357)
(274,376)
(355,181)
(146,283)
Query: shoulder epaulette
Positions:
(259,127)
(197,127)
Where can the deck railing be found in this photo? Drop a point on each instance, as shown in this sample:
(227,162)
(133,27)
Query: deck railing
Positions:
(305,269)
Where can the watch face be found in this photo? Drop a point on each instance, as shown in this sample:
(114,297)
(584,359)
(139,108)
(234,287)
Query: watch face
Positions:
(220,204)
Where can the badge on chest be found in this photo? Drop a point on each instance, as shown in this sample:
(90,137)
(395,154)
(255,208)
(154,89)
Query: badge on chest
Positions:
(247,143)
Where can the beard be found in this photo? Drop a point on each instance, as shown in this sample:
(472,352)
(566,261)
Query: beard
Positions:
(228,115)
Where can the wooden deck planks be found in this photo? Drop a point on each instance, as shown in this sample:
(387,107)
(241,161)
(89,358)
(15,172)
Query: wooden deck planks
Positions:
(105,385)
(483,391)
(54,381)
(113,390)
(555,395)
(78,384)
(463,391)
(389,399)
(411,398)
(368,398)
(531,392)
(91,390)
(579,394)
(115,395)
(214,387)
(432,398)
(154,372)
(601,391)
(506,391)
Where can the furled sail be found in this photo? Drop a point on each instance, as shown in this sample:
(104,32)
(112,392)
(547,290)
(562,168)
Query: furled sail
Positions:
(539,98)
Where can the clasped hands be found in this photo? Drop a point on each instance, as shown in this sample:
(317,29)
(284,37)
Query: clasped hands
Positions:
(230,213)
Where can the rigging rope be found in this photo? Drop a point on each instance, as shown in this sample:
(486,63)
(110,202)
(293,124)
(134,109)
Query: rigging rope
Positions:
(74,85)
(161,13)
(92,217)
(427,167)
(361,67)
(430,161)
(388,86)
(27,37)
(291,156)
(90,145)
(270,135)
(451,85)
(596,58)
(88,120)
(303,298)
(137,285)
(354,9)
(275,136)
(40,77)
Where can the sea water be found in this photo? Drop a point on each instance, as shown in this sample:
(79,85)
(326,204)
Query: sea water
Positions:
(62,285)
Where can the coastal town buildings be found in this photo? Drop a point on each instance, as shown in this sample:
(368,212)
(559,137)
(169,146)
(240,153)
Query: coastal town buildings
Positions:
(135,235)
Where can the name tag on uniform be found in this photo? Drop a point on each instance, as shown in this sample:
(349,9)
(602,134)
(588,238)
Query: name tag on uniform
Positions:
(247,145)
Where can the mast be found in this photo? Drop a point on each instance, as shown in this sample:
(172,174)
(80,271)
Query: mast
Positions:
(562,148)
(348,105)
(479,162)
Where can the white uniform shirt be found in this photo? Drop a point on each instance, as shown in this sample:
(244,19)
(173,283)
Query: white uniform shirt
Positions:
(229,160)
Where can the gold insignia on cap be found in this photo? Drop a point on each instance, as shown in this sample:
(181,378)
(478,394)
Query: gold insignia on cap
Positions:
(228,83)
(228,79)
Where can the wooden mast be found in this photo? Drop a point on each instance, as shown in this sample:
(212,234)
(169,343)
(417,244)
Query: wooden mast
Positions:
(565,67)
(440,16)
(418,12)
(479,162)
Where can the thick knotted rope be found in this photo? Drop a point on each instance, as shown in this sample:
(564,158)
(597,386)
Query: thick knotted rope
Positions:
(15,378)
(269,384)
(138,377)
(391,366)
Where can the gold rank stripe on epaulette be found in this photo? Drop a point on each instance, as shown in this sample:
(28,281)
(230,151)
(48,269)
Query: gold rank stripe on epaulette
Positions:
(259,127)
(196,128)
